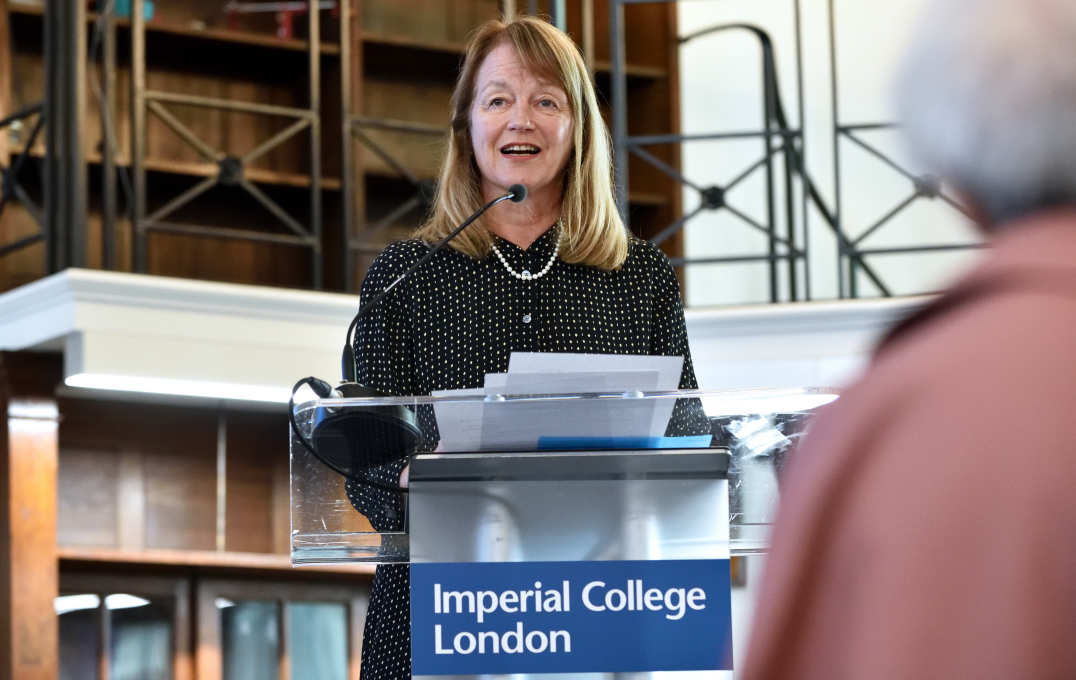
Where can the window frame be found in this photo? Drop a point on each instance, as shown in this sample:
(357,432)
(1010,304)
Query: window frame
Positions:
(175,587)
(208,655)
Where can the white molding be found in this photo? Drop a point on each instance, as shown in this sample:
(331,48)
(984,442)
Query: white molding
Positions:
(798,317)
(149,326)
(163,293)
(179,329)
(821,344)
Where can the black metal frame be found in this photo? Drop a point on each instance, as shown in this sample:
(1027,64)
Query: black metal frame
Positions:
(362,240)
(103,88)
(65,167)
(850,254)
(9,179)
(230,172)
(776,135)
(358,234)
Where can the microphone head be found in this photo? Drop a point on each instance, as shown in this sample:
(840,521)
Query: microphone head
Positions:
(518,191)
(353,439)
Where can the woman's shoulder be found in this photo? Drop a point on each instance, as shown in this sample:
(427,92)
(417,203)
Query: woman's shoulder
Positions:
(400,254)
(394,260)
(643,253)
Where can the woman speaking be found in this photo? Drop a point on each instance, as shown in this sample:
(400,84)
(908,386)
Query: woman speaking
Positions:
(554,273)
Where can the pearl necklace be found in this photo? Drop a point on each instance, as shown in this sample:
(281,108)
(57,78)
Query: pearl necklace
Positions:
(526,275)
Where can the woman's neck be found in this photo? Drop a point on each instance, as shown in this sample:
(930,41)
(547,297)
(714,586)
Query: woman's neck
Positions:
(522,223)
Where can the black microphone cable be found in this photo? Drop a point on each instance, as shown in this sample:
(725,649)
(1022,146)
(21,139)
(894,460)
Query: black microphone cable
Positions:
(516,194)
(349,368)
(324,391)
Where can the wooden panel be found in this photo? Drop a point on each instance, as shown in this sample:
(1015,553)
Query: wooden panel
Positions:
(330,119)
(466,16)
(165,453)
(200,15)
(421,102)
(181,499)
(210,13)
(21,84)
(256,446)
(426,20)
(228,260)
(26,264)
(131,499)
(28,456)
(87,504)
(645,36)
(27,73)
(281,525)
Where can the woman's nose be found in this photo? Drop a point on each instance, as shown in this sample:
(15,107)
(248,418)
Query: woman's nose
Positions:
(521,119)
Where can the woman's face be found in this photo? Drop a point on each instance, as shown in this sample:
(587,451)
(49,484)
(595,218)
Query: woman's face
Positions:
(521,126)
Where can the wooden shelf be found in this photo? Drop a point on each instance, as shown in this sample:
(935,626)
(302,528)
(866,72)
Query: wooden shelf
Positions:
(256,175)
(604,68)
(215,34)
(193,169)
(240,37)
(600,67)
(635,197)
(302,181)
(377,38)
(647,200)
(270,563)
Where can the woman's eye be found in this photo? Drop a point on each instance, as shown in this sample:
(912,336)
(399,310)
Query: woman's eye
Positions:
(547,103)
(496,102)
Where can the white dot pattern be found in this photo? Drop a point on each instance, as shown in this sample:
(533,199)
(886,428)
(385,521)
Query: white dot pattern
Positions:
(456,319)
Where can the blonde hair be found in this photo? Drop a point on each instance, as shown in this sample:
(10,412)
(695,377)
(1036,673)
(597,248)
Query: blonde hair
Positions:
(591,230)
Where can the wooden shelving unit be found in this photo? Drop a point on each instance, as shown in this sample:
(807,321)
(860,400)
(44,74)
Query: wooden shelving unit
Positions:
(222,35)
(401,65)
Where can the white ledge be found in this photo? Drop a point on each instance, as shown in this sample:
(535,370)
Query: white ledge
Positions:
(171,329)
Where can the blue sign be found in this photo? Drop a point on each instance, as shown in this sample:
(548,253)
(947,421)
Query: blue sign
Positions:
(570,617)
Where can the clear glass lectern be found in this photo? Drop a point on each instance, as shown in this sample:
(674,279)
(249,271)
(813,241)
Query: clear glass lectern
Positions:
(498,477)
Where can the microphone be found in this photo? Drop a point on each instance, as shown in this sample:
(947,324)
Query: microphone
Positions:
(349,370)
(353,439)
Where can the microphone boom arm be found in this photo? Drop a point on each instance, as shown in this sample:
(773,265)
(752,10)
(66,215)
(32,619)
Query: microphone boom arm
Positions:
(350,369)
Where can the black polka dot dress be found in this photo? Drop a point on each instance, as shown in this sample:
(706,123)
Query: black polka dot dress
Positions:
(456,319)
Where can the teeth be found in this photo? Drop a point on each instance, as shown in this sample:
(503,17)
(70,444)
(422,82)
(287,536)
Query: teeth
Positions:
(520,148)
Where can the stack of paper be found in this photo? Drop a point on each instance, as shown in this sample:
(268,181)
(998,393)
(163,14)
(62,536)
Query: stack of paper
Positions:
(493,424)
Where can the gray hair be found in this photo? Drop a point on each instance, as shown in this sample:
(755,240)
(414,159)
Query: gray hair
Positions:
(987,97)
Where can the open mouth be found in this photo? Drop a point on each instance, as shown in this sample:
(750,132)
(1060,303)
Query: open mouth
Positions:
(520,150)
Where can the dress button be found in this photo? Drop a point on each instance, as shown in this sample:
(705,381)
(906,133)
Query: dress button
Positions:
(526,318)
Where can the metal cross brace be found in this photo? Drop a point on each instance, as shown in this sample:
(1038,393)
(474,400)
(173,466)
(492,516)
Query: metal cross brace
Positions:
(9,177)
(230,168)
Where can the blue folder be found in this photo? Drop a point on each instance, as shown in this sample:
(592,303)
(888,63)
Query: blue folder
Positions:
(700,441)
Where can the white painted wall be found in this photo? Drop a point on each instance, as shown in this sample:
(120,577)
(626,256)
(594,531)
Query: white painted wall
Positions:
(721,91)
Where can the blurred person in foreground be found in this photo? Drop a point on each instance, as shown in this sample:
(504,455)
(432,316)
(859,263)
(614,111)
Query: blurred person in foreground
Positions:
(927,527)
